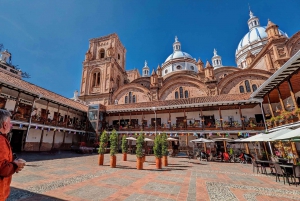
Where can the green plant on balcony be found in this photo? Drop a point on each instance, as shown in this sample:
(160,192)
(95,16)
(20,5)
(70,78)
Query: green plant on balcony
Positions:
(297,111)
(272,119)
(286,115)
(225,124)
(236,124)
(218,124)
(251,124)
(278,118)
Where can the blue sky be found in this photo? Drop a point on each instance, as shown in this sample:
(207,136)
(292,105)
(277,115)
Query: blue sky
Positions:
(48,39)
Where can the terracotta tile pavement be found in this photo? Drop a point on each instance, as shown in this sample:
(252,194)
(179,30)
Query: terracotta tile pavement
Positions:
(79,178)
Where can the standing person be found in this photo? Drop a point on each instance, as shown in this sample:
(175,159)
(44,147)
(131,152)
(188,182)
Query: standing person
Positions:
(8,166)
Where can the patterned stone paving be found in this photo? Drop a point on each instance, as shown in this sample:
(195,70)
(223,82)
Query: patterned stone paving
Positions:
(71,176)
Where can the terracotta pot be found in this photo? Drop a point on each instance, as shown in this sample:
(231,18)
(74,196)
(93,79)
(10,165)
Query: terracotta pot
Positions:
(158,163)
(165,160)
(113,161)
(124,156)
(100,159)
(144,158)
(139,163)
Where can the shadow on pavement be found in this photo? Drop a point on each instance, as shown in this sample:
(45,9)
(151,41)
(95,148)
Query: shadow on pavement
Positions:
(40,156)
(20,194)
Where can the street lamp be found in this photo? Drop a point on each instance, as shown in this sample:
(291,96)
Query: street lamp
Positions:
(153,108)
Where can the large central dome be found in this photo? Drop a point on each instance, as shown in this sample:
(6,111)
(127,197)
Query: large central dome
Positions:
(178,54)
(178,61)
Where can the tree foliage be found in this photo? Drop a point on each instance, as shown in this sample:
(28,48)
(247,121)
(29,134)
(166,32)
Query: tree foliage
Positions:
(103,142)
(139,146)
(124,144)
(113,143)
(157,146)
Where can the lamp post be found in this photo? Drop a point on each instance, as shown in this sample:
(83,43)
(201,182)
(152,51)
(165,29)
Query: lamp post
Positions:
(153,108)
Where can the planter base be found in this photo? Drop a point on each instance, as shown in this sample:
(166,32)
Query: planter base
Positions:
(100,159)
(139,163)
(113,161)
(158,163)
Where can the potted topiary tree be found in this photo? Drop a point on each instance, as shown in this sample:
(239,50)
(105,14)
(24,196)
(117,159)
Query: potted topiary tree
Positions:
(139,152)
(102,146)
(158,150)
(124,147)
(164,148)
(113,148)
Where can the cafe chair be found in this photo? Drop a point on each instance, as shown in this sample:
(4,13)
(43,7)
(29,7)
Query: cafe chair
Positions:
(296,173)
(280,172)
(257,166)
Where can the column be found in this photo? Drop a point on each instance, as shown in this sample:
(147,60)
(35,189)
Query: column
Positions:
(17,103)
(247,148)
(202,119)
(242,118)
(221,120)
(55,126)
(271,109)
(224,143)
(280,99)
(292,93)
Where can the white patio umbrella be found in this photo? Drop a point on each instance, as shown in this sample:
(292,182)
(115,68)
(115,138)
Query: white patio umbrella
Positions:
(201,140)
(289,135)
(222,139)
(271,136)
(171,139)
(254,138)
(148,139)
(130,138)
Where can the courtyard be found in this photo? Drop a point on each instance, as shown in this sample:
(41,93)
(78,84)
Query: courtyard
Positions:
(71,176)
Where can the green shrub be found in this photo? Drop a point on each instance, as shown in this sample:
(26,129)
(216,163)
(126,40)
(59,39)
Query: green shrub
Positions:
(157,147)
(124,144)
(139,146)
(103,142)
(113,143)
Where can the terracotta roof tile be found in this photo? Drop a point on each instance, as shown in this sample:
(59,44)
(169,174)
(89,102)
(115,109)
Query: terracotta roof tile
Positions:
(31,88)
(185,101)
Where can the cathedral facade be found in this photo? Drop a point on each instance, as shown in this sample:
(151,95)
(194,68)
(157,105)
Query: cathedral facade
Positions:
(262,51)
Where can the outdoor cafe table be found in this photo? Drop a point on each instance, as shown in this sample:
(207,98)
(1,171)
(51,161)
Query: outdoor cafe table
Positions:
(287,168)
(265,163)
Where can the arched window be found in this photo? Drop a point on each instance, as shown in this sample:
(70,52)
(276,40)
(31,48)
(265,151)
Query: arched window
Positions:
(247,84)
(242,89)
(119,56)
(126,99)
(186,94)
(98,79)
(133,98)
(94,80)
(181,92)
(254,87)
(118,82)
(102,53)
(176,94)
(130,97)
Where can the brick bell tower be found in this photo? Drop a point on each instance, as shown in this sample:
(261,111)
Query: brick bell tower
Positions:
(103,69)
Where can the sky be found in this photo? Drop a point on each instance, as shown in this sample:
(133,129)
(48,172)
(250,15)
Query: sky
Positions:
(48,39)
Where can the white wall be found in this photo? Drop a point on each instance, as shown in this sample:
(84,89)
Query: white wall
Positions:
(34,135)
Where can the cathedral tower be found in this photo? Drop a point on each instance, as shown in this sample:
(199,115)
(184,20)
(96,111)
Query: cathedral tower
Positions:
(103,69)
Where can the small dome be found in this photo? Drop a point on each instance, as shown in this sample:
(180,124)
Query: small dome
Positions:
(178,54)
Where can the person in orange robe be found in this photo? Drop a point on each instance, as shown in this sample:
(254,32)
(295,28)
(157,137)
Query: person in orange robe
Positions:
(8,166)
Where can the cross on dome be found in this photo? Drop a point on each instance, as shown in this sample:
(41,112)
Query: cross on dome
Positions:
(176,39)
(146,64)
(215,52)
